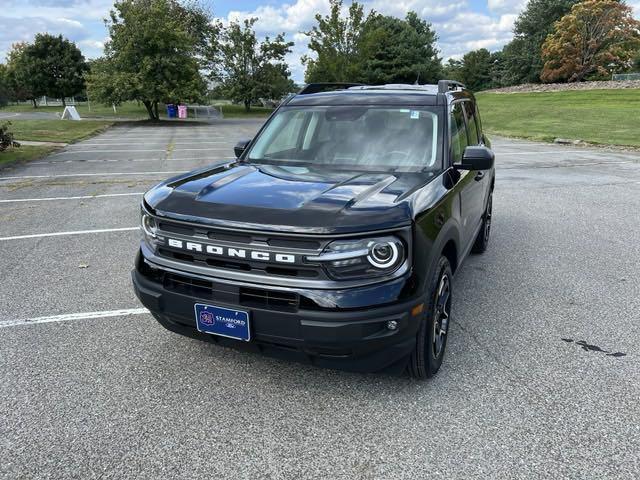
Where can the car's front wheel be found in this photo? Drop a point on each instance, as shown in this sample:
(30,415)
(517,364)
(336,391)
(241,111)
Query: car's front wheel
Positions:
(428,353)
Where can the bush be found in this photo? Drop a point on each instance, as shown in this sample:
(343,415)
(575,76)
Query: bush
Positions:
(6,137)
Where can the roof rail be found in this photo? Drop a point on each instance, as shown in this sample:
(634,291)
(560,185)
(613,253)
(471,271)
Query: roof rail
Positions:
(326,87)
(446,85)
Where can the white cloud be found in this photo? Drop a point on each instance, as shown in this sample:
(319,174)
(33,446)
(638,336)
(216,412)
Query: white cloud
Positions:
(14,30)
(506,6)
(459,29)
(80,9)
(459,26)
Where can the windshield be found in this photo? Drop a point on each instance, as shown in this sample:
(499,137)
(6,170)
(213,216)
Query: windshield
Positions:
(370,138)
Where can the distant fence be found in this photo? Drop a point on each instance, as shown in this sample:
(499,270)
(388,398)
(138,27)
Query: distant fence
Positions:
(619,77)
(45,101)
(204,112)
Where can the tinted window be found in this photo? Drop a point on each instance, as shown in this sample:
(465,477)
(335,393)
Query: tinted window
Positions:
(479,122)
(459,139)
(474,138)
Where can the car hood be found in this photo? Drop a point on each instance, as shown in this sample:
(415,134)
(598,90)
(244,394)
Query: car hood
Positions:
(288,198)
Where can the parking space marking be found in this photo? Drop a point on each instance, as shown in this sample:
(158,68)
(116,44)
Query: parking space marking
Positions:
(115,140)
(542,152)
(67,152)
(73,316)
(104,174)
(62,234)
(113,160)
(149,143)
(80,197)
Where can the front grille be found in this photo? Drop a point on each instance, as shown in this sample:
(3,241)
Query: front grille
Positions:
(272,244)
(189,286)
(258,297)
(245,296)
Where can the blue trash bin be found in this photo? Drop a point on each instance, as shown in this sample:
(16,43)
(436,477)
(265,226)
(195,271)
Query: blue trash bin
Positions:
(172,111)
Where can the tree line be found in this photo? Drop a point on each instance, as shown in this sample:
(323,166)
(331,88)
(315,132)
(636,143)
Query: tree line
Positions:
(557,41)
(168,51)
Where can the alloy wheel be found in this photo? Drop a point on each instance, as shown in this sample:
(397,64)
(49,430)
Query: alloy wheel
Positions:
(442,315)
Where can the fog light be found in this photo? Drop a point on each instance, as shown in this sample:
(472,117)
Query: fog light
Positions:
(392,325)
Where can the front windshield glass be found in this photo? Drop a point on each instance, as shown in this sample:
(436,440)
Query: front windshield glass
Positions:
(364,137)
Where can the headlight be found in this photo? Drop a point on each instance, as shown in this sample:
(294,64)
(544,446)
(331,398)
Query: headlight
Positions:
(363,258)
(149,229)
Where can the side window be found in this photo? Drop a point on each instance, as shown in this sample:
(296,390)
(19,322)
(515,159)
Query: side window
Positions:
(458,132)
(479,122)
(474,138)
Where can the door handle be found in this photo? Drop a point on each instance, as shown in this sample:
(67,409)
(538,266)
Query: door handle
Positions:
(479,176)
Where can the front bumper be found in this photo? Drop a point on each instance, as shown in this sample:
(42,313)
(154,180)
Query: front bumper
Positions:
(352,339)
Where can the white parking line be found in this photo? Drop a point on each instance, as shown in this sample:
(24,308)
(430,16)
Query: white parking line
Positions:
(115,140)
(62,234)
(105,174)
(66,152)
(114,160)
(543,152)
(84,144)
(80,197)
(73,316)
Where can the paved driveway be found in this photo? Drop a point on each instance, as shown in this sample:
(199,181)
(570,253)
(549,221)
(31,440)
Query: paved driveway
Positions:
(541,379)
(35,115)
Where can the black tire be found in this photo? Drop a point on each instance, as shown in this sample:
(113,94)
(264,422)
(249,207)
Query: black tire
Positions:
(426,358)
(482,240)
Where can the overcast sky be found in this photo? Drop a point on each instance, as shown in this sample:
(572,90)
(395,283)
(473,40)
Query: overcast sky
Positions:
(461,25)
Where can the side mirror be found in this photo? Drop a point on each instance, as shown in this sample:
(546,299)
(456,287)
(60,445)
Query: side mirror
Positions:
(476,158)
(240,147)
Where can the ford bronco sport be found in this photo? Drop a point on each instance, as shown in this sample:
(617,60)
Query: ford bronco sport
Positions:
(333,236)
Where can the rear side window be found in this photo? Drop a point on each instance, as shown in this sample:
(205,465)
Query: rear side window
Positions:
(479,122)
(459,140)
(474,136)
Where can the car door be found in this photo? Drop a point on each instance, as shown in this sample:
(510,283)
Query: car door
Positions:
(473,195)
(463,179)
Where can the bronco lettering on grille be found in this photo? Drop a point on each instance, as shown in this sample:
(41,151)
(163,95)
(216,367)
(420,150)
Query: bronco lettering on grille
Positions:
(231,252)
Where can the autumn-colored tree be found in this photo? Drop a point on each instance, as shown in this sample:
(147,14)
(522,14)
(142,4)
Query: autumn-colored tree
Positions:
(597,36)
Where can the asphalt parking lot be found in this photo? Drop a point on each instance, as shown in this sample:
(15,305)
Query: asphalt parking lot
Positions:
(541,378)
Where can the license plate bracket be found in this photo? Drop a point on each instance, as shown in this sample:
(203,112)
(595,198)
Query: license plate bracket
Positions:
(225,322)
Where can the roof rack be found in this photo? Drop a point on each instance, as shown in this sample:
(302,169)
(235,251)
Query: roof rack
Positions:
(326,87)
(445,86)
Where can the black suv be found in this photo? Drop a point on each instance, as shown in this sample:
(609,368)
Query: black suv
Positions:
(333,236)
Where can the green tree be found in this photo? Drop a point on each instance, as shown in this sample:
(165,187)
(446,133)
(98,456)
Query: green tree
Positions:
(636,62)
(521,57)
(22,79)
(155,53)
(452,70)
(336,42)
(596,37)
(393,50)
(476,69)
(5,93)
(56,66)
(498,70)
(247,68)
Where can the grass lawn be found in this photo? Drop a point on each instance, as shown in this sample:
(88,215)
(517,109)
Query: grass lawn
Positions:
(24,153)
(130,110)
(238,111)
(56,130)
(598,116)
(137,111)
